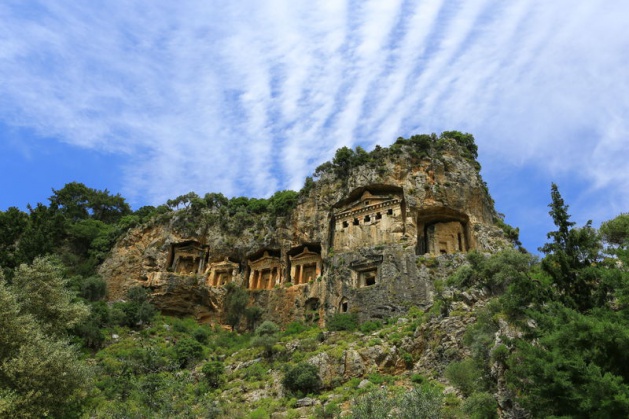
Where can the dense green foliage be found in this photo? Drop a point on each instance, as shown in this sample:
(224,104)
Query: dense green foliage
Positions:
(41,374)
(302,379)
(570,358)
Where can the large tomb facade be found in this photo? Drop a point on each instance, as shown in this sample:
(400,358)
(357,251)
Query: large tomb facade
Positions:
(305,266)
(368,217)
(265,272)
(222,272)
(187,257)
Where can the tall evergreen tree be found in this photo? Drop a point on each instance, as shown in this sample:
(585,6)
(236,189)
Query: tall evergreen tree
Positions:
(568,254)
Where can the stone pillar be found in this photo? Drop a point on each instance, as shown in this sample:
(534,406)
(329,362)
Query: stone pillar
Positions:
(298,274)
(293,273)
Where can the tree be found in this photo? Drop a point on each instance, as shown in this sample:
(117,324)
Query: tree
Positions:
(570,251)
(13,223)
(43,291)
(213,371)
(266,335)
(615,233)
(236,300)
(302,379)
(253,314)
(78,202)
(40,375)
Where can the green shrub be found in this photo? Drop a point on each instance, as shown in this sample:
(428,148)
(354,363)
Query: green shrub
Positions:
(213,372)
(259,413)
(94,288)
(379,379)
(464,375)
(255,372)
(329,410)
(302,379)
(201,335)
(294,328)
(418,378)
(375,404)
(421,403)
(266,336)
(481,405)
(500,353)
(186,351)
(408,359)
(370,326)
(343,321)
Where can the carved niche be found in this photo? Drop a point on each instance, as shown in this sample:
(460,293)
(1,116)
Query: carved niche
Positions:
(221,273)
(365,271)
(265,272)
(305,267)
(187,258)
(443,231)
(369,216)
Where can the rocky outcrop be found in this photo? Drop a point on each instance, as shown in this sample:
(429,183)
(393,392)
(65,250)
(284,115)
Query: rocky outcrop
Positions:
(356,242)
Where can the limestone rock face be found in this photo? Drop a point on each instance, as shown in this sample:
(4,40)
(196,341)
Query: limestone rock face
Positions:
(361,242)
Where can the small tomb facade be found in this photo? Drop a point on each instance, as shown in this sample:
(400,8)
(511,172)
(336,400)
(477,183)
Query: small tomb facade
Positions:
(365,271)
(222,273)
(265,272)
(188,258)
(369,217)
(305,267)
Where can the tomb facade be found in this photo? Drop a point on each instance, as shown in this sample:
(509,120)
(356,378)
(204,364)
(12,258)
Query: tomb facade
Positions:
(188,258)
(369,217)
(265,272)
(305,267)
(221,273)
(365,271)
(443,231)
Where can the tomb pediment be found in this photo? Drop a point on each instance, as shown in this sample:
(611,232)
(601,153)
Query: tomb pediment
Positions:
(366,263)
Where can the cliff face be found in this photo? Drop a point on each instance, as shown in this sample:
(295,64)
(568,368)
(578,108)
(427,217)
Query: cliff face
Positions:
(360,240)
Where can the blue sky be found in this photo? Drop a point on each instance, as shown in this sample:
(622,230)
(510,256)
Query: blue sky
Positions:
(156,99)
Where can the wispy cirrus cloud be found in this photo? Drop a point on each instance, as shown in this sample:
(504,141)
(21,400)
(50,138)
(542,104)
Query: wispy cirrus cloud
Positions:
(248,97)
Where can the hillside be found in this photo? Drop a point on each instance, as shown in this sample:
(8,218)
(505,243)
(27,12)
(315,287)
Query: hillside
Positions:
(387,287)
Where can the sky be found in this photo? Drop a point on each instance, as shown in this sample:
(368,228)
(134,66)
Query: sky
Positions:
(156,99)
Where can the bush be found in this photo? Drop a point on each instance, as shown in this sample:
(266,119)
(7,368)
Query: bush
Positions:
(370,326)
(295,328)
(201,335)
(302,379)
(135,312)
(464,375)
(94,288)
(376,404)
(421,403)
(213,371)
(481,405)
(186,351)
(266,337)
(343,321)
